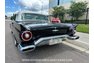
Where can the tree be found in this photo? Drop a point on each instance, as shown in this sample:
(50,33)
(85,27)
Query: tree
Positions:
(59,12)
(77,9)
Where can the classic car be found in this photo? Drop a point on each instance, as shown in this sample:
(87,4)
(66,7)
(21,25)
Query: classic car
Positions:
(30,30)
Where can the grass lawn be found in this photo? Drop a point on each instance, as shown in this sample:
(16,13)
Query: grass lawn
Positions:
(83,28)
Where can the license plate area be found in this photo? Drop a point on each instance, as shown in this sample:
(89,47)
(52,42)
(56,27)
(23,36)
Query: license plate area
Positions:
(55,41)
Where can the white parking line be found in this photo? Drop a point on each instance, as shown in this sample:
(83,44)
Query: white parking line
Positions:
(76,47)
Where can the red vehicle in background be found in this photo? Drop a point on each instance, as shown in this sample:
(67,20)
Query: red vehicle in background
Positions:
(55,20)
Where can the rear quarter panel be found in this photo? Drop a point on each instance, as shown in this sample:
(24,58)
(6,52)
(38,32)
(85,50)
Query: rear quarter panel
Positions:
(17,29)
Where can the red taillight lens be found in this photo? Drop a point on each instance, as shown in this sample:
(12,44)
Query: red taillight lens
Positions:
(26,35)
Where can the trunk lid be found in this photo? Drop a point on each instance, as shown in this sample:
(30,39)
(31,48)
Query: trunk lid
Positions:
(44,30)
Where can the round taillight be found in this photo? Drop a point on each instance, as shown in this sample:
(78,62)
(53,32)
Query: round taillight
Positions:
(26,35)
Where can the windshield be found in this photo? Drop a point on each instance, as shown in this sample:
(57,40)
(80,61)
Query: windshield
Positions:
(35,18)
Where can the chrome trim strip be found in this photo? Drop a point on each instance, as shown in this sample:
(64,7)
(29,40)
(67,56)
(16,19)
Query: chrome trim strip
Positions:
(34,25)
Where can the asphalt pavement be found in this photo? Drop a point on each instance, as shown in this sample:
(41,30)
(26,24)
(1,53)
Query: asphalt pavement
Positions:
(61,53)
(83,37)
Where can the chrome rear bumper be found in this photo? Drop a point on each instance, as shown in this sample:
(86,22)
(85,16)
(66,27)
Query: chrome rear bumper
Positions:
(32,47)
(26,48)
(48,38)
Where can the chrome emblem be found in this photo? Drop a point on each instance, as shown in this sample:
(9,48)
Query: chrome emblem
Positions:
(55,30)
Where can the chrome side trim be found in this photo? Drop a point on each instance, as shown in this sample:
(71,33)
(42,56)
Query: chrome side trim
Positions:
(34,25)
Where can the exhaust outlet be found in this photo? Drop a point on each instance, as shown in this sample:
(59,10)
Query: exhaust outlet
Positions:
(26,48)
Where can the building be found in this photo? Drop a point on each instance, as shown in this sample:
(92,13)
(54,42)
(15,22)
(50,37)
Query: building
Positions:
(66,4)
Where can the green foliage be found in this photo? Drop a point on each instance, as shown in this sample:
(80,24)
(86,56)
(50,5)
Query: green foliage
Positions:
(77,9)
(59,12)
(83,28)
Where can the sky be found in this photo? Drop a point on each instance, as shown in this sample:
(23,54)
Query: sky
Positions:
(54,2)
(65,3)
(12,6)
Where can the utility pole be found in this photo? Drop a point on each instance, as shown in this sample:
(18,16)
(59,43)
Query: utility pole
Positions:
(58,2)
(41,6)
(86,15)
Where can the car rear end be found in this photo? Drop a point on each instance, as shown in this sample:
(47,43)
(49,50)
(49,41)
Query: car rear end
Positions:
(45,35)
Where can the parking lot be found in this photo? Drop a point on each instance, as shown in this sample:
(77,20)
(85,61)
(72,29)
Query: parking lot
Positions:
(60,51)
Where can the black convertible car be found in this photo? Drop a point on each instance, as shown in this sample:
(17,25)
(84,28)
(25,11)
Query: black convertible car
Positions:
(30,30)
